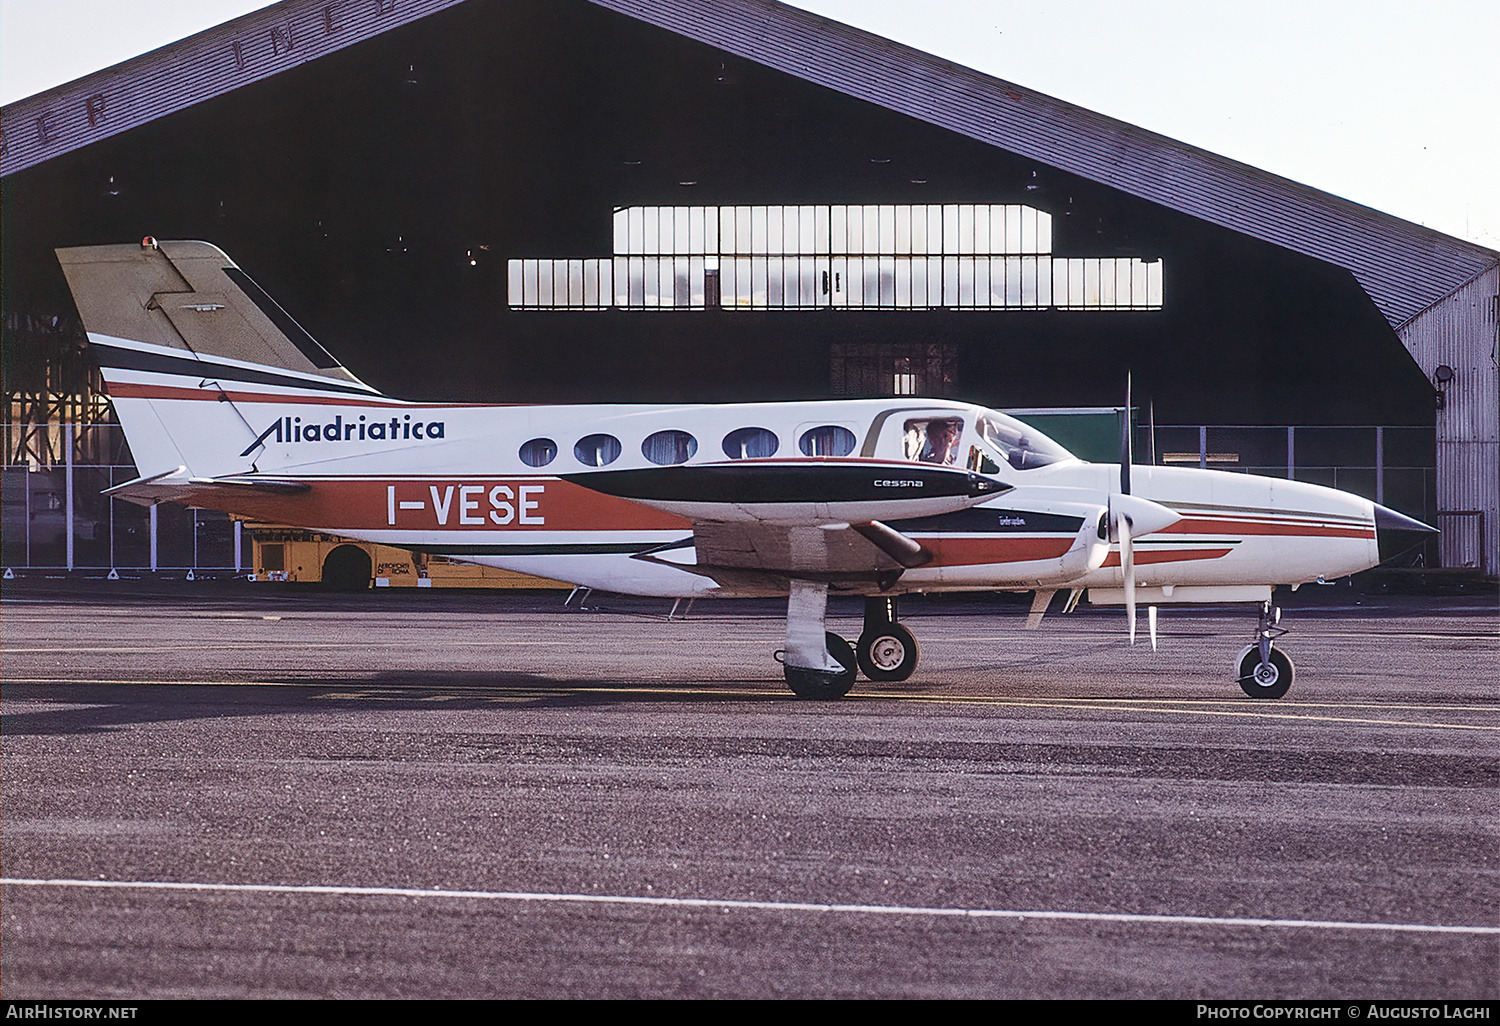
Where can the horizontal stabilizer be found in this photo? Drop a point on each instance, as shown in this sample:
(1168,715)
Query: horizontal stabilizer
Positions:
(177,486)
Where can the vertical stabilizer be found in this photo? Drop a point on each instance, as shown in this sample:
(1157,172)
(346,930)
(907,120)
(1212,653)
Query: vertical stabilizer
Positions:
(189,296)
(187,344)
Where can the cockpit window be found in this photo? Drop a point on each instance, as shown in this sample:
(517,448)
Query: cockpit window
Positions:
(1022,447)
(933,439)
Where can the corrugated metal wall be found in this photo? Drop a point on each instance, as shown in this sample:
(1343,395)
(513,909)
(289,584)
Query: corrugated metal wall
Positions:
(1461,332)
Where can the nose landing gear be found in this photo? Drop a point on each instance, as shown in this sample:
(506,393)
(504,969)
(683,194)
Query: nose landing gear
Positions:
(1264,671)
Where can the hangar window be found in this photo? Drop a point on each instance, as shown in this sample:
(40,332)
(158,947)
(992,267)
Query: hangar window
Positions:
(597,450)
(667,448)
(539,452)
(828,440)
(751,443)
(963,256)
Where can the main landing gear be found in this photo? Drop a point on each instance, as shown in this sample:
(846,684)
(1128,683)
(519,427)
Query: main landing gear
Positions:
(1264,671)
(886,650)
(820,664)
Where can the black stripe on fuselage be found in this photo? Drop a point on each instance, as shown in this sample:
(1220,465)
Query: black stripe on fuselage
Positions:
(750,484)
(124,358)
(988,520)
(557,549)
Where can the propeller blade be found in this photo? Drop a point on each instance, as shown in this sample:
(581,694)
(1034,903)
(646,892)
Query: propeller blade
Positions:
(1127,446)
(1127,563)
(1151,623)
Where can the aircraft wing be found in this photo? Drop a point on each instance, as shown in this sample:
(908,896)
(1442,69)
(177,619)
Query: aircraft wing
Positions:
(752,555)
(759,524)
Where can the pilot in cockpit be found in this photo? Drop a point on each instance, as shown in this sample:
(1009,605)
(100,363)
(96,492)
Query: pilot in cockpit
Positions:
(936,441)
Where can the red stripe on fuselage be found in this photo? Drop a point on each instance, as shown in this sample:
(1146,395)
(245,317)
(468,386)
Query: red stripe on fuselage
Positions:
(133,390)
(995,549)
(1167,556)
(471,505)
(1261,527)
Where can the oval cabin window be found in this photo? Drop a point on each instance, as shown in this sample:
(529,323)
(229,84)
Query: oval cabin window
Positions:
(667,448)
(751,443)
(597,450)
(828,440)
(539,452)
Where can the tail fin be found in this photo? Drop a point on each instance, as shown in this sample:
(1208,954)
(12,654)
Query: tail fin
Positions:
(185,340)
(189,296)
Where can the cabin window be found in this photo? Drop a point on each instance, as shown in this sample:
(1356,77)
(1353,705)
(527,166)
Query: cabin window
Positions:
(667,448)
(751,443)
(539,452)
(828,440)
(597,450)
(933,440)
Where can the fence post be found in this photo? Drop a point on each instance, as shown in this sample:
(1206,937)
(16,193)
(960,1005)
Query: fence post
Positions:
(1380,465)
(68,492)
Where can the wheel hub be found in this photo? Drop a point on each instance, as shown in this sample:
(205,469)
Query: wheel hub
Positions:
(887,653)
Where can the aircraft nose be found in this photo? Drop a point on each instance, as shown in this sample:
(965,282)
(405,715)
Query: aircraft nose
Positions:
(1396,533)
(981,485)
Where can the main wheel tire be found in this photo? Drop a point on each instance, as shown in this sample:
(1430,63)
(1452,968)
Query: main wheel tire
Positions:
(888,653)
(1269,681)
(823,684)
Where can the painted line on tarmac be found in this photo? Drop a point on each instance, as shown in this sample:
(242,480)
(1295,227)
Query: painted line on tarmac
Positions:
(1138,705)
(758,906)
(238,646)
(409,692)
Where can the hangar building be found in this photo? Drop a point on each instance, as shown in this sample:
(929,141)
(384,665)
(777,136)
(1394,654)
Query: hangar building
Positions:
(664,200)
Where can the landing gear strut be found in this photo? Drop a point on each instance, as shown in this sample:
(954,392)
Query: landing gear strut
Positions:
(817,663)
(886,650)
(1264,671)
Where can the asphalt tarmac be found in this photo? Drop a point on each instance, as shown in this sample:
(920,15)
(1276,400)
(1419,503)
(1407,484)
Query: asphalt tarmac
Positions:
(230,792)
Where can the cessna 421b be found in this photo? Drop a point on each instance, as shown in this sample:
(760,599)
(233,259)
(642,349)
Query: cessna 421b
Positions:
(228,404)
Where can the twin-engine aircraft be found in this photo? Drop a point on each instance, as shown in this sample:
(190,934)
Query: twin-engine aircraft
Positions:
(229,404)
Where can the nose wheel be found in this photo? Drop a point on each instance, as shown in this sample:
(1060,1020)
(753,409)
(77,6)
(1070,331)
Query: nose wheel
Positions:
(1269,679)
(1266,671)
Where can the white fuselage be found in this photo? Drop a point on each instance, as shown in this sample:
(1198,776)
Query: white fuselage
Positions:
(577,493)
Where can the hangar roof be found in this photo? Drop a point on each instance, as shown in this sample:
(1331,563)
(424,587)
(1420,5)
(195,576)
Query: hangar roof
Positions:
(1404,267)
